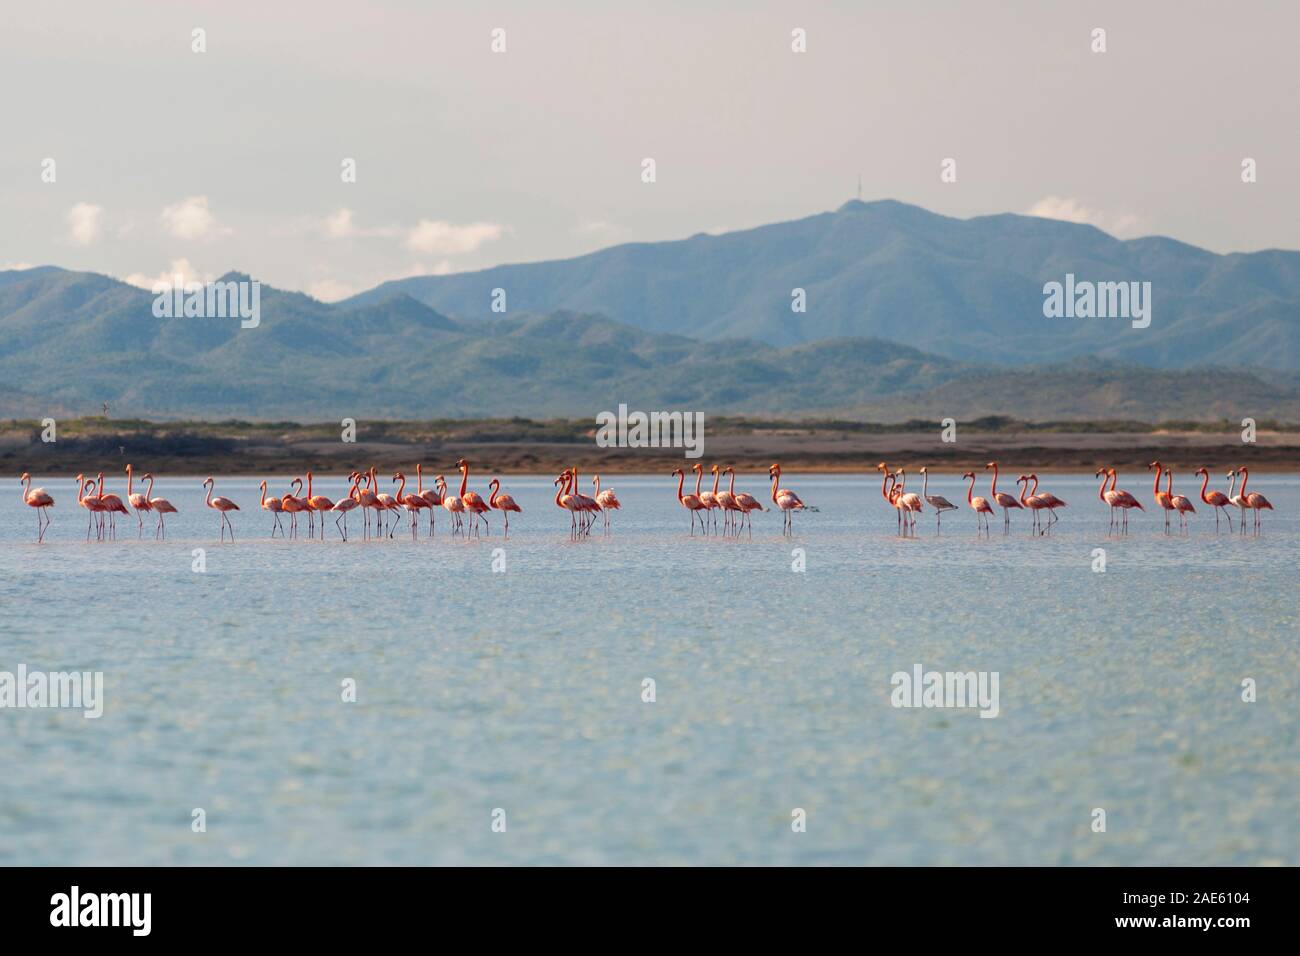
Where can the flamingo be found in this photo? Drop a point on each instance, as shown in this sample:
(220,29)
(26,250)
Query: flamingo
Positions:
(474,504)
(431,497)
(784,498)
(91,503)
(112,506)
(1049,499)
(910,501)
(39,499)
(1004,501)
(222,505)
(276,507)
(384,502)
(412,503)
(451,504)
(709,498)
(1163,498)
(1237,499)
(1122,499)
(607,500)
(346,504)
(1032,502)
(587,505)
(732,512)
(690,502)
(368,500)
(566,501)
(887,483)
(293,505)
(978,504)
(160,506)
(317,504)
(1179,502)
(896,499)
(939,503)
(1215,499)
(138,501)
(1254,500)
(747,503)
(504,503)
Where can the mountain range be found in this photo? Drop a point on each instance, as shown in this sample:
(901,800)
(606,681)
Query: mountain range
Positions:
(909,314)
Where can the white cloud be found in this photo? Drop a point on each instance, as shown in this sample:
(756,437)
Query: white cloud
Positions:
(191,219)
(448,239)
(168,277)
(15,266)
(330,289)
(341,225)
(85,223)
(1070,209)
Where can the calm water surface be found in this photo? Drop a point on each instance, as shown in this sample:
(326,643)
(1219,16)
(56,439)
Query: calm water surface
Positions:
(522,689)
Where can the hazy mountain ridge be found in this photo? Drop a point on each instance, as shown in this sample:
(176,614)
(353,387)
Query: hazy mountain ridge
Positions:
(69,341)
(968,289)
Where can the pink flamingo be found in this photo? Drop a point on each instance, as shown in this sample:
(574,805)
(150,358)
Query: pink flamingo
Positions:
(369,501)
(1215,499)
(1030,501)
(978,504)
(1237,498)
(896,499)
(387,504)
(1163,498)
(1121,499)
(566,501)
(784,498)
(92,504)
(451,504)
(412,503)
(431,497)
(222,505)
(607,500)
(910,500)
(1254,500)
(160,507)
(39,499)
(747,503)
(138,501)
(504,503)
(939,503)
(1179,502)
(112,505)
(474,504)
(293,505)
(587,505)
(346,504)
(1004,501)
(887,483)
(318,504)
(690,502)
(1050,500)
(276,507)
(709,498)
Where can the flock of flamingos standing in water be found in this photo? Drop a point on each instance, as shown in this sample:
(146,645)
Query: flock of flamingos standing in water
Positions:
(468,510)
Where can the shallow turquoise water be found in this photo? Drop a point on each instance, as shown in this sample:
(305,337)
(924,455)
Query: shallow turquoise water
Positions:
(522,690)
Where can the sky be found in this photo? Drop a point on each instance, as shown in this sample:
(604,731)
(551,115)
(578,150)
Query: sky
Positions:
(167,160)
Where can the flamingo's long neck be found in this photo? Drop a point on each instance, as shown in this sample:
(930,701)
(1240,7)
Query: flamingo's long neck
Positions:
(559,492)
(970,491)
(149,493)
(419,481)
(130,481)
(1114,477)
(1035,491)
(493,487)
(208,500)
(1169,483)
(263,494)
(81,490)
(884,493)
(699,476)
(925,484)
(401,487)
(681,480)
(1245,477)
(994,490)
(1101,492)
(717,476)
(1155,490)
(776,477)
(464,479)
(596,482)
(309,486)
(1024,487)
(27,483)
(356,488)
(101,486)
(731,488)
